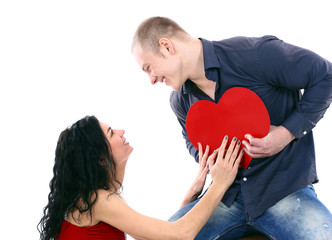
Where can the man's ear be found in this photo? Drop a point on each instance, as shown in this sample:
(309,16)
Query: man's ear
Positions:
(166,44)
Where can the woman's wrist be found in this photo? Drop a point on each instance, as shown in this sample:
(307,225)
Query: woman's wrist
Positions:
(218,188)
(190,197)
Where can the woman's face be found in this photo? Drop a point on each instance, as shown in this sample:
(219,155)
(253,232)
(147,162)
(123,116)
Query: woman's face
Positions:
(120,148)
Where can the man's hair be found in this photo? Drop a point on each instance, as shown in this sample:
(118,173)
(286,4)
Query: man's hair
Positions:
(152,29)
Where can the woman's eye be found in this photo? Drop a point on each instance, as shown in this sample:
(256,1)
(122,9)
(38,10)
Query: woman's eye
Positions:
(112,133)
(148,69)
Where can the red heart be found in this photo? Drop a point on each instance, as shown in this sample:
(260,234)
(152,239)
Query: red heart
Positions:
(239,111)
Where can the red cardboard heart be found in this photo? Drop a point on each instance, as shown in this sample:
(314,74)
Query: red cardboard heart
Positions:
(239,111)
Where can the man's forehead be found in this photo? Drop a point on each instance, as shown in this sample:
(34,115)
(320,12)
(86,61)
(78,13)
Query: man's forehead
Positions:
(139,55)
(142,55)
(142,51)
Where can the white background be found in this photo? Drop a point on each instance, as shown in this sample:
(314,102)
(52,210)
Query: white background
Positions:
(62,60)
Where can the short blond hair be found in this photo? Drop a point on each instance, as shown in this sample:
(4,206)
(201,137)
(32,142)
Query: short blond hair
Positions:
(152,29)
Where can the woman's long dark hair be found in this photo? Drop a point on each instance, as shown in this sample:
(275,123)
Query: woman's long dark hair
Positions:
(83,164)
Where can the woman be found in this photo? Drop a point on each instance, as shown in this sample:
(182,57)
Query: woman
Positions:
(85,201)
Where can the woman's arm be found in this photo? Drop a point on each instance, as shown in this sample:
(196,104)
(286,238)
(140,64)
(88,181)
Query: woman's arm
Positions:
(197,186)
(223,168)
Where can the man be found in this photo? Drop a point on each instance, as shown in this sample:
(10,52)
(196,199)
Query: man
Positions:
(274,195)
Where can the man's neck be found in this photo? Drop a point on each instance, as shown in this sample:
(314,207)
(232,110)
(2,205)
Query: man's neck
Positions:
(196,70)
(207,86)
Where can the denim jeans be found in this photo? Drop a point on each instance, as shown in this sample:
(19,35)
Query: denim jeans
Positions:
(299,216)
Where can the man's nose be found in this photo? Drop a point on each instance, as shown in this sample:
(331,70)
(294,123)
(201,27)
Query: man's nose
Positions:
(153,79)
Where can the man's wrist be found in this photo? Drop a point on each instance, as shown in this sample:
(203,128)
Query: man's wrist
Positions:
(288,134)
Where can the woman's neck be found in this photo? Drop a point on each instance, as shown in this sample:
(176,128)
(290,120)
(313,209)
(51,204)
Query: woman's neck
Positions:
(120,172)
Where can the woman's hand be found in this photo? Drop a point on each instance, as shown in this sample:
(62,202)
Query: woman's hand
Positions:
(197,186)
(224,167)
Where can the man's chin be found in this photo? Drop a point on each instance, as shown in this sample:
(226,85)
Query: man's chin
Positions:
(175,88)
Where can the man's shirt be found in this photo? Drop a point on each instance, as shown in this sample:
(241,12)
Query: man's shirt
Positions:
(276,72)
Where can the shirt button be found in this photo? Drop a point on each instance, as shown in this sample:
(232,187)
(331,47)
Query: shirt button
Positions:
(305,132)
(245,179)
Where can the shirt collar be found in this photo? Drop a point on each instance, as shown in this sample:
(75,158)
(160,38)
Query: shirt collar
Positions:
(210,57)
(187,87)
(210,62)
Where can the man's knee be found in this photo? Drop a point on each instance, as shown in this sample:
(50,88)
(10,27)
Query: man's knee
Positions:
(300,215)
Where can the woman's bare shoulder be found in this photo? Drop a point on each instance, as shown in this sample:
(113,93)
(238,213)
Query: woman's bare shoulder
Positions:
(109,205)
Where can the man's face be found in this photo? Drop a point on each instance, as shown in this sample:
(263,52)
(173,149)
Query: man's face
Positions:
(163,68)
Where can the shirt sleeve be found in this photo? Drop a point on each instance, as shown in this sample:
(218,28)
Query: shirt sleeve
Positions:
(180,109)
(288,66)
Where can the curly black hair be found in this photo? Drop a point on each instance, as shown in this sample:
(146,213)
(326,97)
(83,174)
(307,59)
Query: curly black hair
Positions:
(83,164)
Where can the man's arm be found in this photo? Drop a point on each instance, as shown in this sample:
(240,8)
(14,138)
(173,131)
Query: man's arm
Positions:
(287,66)
(180,109)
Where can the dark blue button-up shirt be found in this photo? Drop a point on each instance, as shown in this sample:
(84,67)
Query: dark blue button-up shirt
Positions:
(276,72)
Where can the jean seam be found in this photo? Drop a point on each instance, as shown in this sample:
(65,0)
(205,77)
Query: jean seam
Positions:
(228,230)
(262,230)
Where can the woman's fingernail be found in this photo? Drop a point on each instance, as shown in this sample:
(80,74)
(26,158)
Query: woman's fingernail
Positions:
(234,138)
(226,137)
(238,142)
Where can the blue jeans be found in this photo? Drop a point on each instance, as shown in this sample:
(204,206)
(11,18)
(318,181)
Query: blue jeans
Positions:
(299,216)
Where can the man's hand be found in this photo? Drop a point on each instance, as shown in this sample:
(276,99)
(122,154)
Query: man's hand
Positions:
(271,144)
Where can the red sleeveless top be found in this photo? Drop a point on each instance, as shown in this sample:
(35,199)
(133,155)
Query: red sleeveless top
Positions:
(97,232)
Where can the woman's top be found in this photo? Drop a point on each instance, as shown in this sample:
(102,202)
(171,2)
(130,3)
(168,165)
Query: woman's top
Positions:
(97,232)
